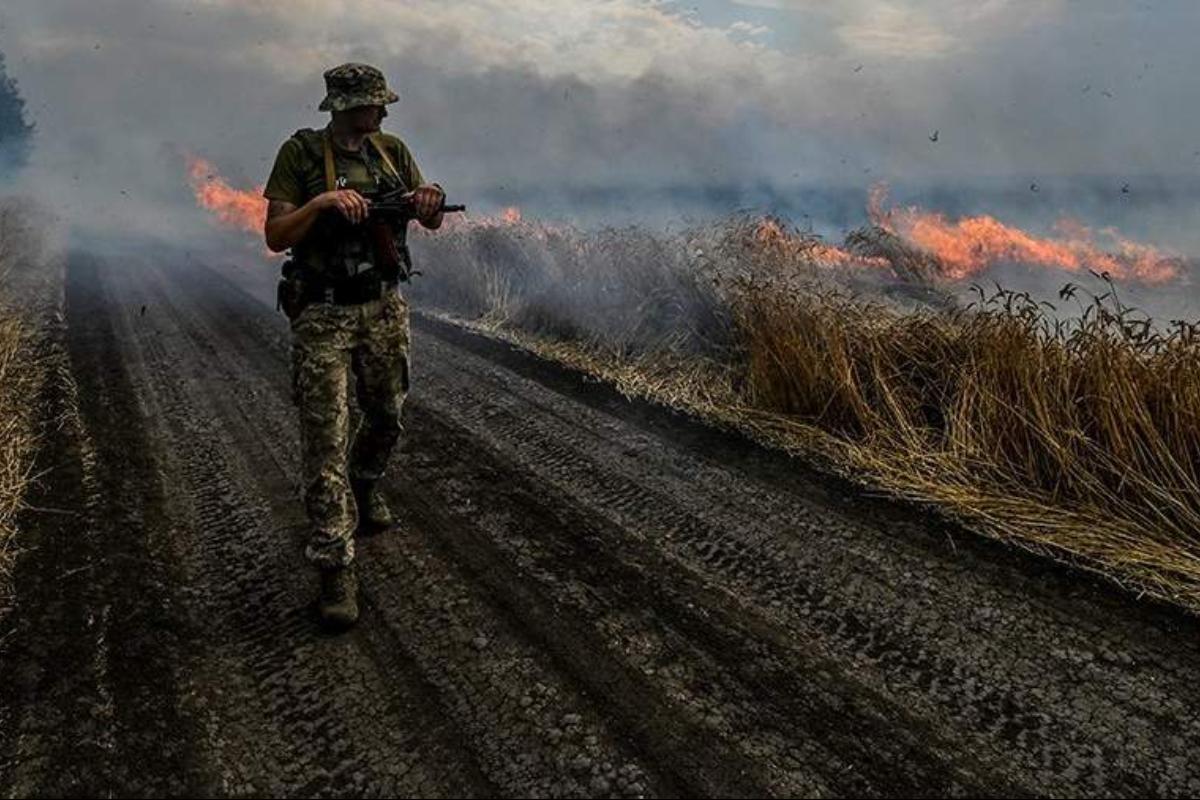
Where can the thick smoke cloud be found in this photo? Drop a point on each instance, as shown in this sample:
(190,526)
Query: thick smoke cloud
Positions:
(626,108)
(16,134)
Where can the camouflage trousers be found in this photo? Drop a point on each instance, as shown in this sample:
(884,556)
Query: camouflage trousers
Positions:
(330,345)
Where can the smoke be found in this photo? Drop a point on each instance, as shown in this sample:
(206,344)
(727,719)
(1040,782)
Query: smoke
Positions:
(632,111)
(16,133)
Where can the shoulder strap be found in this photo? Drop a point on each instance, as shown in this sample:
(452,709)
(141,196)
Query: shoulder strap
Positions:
(330,174)
(377,141)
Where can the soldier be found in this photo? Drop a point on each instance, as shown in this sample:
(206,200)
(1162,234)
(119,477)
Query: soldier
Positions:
(347,316)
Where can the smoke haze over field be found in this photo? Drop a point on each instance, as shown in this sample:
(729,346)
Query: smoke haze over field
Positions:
(16,134)
(613,109)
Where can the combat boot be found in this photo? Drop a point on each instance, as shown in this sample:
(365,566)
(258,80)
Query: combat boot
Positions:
(374,516)
(338,604)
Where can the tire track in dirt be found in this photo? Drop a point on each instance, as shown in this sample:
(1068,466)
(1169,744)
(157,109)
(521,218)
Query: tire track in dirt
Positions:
(317,715)
(691,680)
(1053,699)
(100,596)
(420,603)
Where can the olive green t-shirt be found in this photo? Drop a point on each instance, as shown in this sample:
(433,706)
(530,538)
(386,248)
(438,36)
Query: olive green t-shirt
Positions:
(299,171)
(299,175)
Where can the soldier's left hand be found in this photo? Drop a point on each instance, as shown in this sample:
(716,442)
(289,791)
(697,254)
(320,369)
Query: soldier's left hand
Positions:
(427,200)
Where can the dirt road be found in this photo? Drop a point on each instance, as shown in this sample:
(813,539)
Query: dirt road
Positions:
(588,597)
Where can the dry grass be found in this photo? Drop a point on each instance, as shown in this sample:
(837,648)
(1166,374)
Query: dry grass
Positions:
(1082,436)
(623,290)
(16,435)
(28,290)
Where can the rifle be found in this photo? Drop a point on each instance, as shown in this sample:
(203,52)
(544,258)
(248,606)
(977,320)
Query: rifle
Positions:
(397,206)
(387,220)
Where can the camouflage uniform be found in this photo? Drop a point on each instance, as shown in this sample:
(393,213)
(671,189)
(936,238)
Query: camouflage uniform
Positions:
(331,342)
(328,343)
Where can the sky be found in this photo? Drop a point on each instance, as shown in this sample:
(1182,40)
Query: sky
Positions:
(620,108)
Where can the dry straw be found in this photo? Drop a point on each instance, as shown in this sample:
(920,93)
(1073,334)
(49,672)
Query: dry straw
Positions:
(27,289)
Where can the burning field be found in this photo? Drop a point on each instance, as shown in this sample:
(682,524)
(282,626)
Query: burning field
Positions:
(1070,427)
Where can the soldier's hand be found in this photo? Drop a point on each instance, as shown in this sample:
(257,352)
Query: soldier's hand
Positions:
(352,205)
(427,201)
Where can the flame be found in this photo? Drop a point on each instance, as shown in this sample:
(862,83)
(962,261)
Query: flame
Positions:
(970,245)
(237,208)
(964,247)
(510,216)
(770,234)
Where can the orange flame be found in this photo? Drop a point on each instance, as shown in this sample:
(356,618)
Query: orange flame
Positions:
(768,233)
(972,244)
(508,216)
(237,208)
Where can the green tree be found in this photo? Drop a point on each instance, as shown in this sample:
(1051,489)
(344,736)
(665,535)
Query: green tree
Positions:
(16,133)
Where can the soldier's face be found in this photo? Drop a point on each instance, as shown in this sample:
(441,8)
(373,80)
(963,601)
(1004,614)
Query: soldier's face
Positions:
(365,119)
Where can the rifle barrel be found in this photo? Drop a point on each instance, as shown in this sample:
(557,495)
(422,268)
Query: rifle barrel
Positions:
(408,207)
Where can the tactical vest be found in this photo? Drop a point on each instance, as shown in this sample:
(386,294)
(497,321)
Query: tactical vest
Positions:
(333,249)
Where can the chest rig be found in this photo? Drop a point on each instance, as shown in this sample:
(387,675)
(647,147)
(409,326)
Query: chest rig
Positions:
(340,263)
(355,249)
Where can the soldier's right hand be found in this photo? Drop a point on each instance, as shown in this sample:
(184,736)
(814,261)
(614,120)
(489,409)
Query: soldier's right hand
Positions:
(352,205)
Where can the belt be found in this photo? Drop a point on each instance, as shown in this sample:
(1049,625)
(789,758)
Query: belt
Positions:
(347,293)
